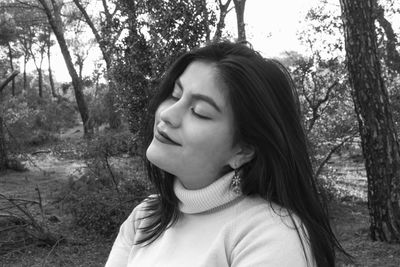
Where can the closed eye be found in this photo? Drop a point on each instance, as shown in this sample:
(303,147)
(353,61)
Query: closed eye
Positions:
(176,94)
(174,97)
(198,115)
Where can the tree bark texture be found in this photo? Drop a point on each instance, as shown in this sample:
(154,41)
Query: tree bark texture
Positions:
(206,21)
(10,56)
(8,80)
(393,55)
(378,136)
(54,17)
(223,11)
(3,150)
(40,75)
(26,49)
(239,8)
(24,75)
(52,87)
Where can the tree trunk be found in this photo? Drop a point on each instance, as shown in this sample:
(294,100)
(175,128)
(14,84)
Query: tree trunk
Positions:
(223,11)
(393,55)
(10,56)
(39,71)
(79,62)
(206,21)
(378,136)
(8,80)
(25,80)
(3,150)
(52,87)
(239,8)
(114,119)
(40,75)
(54,18)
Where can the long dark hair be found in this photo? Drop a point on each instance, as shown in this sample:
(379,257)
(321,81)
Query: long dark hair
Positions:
(266,116)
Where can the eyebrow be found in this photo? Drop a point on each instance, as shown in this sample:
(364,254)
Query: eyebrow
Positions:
(205,98)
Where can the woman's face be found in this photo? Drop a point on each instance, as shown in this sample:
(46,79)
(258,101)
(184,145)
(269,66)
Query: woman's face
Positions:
(194,129)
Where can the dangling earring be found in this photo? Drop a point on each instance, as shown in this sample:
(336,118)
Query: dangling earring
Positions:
(236,182)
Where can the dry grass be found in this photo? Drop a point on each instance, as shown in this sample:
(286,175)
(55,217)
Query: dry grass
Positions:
(351,222)
(80,249)
(350,217)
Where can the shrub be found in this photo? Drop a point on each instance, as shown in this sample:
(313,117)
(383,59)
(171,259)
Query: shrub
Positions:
(100,208)
(99,109)
(326,186)
(111,143)
(112,185)
(34,121)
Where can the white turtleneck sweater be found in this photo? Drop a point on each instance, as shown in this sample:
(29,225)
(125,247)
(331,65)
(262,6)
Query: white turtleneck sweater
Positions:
(217,228)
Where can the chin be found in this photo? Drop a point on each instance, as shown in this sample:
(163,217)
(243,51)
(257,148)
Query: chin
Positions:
(160,158)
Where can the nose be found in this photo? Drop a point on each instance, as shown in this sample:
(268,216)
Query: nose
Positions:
(171,114)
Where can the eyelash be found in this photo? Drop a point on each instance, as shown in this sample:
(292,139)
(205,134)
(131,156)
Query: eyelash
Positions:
(174,97)
(191,109)
(198,115)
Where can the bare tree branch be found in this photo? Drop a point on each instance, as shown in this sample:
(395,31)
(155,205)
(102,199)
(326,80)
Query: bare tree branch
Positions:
(223,11)
(333,150)
(317,104)
(393,55)
(8,80)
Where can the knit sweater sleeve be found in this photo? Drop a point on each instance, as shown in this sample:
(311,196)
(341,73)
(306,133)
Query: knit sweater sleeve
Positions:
(126,238)
(267,239)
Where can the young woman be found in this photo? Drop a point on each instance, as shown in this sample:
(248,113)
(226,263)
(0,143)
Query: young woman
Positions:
(228,156)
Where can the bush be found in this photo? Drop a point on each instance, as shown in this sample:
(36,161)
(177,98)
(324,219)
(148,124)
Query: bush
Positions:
(111,143)
(112,185)
(99,109)
(34,121)
(100,208)
(40,137)
(326,186)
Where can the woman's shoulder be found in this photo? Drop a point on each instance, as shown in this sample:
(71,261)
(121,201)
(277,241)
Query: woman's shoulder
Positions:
(140,210)
(259,219)
(268,232)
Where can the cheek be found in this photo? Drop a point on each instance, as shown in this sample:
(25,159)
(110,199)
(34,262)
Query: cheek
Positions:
(209,141)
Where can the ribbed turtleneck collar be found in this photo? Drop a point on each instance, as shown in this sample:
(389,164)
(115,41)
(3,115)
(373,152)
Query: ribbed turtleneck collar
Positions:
(216,194)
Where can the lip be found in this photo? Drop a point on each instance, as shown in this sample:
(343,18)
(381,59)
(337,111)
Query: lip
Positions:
(164,138)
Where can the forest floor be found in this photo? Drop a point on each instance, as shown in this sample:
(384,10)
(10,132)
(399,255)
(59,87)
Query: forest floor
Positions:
(54,165)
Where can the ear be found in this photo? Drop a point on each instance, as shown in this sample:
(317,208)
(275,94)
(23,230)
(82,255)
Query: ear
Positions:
(244,154)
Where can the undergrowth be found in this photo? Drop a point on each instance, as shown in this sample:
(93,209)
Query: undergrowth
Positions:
(33,121)
(110,187)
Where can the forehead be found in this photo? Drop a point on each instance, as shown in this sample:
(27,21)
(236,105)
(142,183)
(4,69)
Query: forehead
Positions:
(201,77)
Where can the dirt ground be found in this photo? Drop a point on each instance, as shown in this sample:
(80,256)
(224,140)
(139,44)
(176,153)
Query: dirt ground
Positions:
(351,224)
(50,170)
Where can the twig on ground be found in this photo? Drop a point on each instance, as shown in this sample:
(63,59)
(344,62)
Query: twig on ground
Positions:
(40,202)
(41,151)
(112,174)
(52,248)
(21,223)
